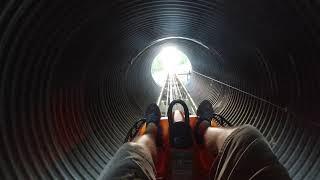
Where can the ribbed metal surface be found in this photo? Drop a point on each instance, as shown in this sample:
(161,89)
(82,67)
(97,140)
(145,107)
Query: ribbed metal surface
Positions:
(71,83)
(291,141)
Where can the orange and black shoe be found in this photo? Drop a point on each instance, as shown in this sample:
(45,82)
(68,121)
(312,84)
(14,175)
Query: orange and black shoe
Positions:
(205,114)
(153,115)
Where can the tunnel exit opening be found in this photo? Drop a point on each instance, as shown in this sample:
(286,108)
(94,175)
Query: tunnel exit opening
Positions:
(171,70)
(170,61)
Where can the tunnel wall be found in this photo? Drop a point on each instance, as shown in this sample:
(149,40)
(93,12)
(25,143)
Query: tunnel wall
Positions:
(70,90)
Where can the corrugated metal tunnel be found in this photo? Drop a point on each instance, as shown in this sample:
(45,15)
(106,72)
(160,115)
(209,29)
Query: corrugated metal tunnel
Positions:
(75,75)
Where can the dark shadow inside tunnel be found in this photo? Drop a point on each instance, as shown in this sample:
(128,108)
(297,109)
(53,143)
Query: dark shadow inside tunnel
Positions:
(76,75)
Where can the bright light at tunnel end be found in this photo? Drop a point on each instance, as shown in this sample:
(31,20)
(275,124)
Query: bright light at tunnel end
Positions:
(170,61)
(169,57)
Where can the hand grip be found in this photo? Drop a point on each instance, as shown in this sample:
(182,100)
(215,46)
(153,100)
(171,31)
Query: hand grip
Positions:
(185,108)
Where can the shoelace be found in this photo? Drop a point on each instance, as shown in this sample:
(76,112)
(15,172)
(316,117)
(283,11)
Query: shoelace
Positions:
(221,120)
(134,130)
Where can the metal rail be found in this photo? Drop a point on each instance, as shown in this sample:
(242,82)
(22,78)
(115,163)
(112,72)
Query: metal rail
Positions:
(174,89)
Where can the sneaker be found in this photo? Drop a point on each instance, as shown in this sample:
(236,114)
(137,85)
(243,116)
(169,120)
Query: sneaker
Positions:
(205,113)
(152,114)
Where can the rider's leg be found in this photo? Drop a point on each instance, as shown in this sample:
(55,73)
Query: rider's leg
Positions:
(214,138)
(241,153)
(135,160)
(148,140)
